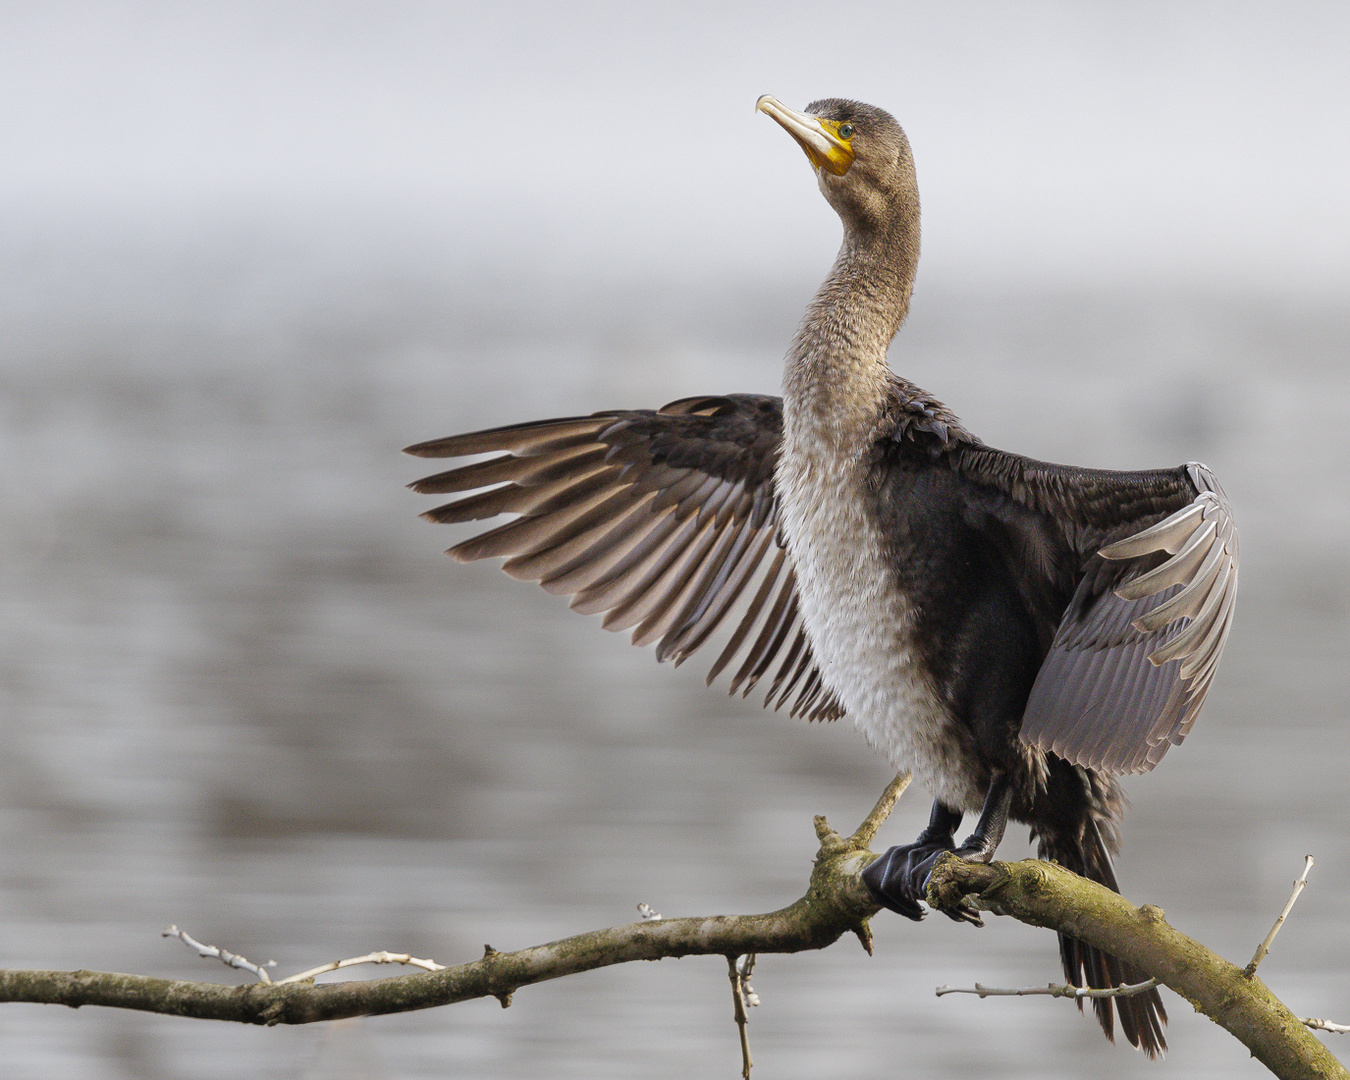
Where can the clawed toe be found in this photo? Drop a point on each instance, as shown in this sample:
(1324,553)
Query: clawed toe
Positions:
(963,910)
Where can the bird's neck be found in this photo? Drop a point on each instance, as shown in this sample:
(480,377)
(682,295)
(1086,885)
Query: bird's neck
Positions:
(837,379)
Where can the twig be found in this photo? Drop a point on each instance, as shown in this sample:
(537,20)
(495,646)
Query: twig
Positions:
(751,998)
(836,902)
(233,960)
(863,834)
(380,957)
(742,994)
(1324,1025)
(1264,947)
(1052,990)
(1044,894)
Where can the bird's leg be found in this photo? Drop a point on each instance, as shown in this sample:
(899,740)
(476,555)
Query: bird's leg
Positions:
(941,828)
(980,845)
(899,879)
(894,879)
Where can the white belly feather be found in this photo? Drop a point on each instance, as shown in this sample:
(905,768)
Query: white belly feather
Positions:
(860,625)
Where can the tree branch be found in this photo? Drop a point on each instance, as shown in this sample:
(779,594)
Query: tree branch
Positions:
(1045,894)
(836,902)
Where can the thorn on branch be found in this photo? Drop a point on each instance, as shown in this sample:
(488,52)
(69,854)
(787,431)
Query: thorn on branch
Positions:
(864,932)
(505,996)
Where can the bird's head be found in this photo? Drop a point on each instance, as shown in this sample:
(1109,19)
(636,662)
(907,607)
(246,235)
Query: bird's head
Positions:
(862,161)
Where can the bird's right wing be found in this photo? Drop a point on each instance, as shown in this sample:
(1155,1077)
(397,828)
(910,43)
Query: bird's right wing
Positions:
(663,520)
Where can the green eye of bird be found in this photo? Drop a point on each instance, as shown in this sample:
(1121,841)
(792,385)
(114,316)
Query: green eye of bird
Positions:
(846,131)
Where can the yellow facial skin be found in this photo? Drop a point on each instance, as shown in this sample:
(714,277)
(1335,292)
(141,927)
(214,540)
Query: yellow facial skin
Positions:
(826,146)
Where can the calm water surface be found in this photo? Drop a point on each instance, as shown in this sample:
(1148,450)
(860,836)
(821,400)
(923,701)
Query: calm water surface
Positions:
(244,693)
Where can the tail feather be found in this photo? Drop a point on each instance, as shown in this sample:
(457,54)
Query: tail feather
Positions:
(1142,1016)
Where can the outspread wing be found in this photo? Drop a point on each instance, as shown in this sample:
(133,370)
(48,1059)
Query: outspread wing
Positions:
(663,520)
(1150,603)
(1138,647)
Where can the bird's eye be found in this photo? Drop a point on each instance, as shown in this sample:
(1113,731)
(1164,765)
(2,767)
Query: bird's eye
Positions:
(846,131)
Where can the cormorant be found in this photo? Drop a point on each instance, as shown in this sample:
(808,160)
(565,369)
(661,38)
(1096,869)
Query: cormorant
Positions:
(1013,632)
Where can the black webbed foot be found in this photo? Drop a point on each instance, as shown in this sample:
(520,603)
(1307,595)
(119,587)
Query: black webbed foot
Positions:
(899,879)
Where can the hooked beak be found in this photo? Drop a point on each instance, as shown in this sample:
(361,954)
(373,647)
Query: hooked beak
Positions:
(819,138)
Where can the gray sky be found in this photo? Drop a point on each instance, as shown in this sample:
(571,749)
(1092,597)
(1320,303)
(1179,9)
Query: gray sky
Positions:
(1057,143)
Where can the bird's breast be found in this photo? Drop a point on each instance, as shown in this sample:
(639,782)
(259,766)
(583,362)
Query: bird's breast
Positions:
(861,625)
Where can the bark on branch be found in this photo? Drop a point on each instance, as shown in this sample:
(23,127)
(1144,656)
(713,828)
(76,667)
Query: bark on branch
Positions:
(1045,894)
(836,902)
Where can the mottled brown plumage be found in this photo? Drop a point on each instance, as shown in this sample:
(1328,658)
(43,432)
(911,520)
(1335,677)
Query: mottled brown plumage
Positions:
(1014,632)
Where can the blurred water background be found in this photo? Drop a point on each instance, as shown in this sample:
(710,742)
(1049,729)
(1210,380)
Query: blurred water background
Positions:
(248,252)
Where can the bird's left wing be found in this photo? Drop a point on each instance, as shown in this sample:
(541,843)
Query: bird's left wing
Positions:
(663,520)
(1138,645)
